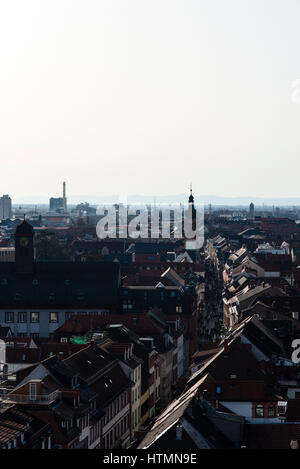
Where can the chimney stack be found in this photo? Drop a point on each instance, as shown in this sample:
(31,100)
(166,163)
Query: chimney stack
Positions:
(64,197)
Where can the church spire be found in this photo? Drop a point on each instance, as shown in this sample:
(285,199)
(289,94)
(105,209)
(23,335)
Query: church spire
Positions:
(191,197)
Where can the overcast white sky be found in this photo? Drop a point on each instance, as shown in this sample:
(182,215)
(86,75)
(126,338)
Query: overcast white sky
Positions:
(144,96)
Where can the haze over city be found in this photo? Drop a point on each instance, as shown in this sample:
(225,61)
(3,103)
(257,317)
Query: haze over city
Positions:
(123,97)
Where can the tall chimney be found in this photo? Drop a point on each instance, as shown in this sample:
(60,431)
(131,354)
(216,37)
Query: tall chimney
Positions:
(64,197)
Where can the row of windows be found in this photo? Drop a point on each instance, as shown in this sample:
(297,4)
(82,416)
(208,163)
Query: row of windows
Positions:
(260,411)
(162,268)
(129,305)
(119,429)
(163,295)
(95,432)
(34,317)
(136,394)
(136,416)
(137,374)
(115,408)
(83,422)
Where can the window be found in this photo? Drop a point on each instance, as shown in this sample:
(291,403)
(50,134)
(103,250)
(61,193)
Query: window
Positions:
(32,392)
(178,309)
(64,340)
(259,411)
(22,317)
(9,317)
(53,317)
(35,317)
(218,390)
(271,411)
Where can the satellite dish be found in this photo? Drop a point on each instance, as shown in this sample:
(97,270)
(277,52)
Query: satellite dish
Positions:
(2,352)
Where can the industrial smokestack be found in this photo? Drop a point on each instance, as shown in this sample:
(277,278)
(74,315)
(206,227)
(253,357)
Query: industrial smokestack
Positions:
(64,197)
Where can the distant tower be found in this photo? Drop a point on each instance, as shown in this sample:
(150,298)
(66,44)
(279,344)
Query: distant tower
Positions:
(191,197)
(24,259)
(5,207)
(251,211)
(64,197)
(191,202)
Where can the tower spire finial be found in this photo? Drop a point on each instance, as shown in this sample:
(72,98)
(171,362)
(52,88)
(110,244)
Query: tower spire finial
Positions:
(191,197)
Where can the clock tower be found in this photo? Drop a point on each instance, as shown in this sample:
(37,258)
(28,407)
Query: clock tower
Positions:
(24,251)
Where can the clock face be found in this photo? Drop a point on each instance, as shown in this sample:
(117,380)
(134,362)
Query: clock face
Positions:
(23,242)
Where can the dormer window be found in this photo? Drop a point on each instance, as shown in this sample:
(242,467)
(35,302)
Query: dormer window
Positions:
(259,411)
(271,411)
(32,391)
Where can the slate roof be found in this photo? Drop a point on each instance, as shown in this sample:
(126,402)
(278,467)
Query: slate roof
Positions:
(60,284)
(170,415)
(89,361)
(110,385)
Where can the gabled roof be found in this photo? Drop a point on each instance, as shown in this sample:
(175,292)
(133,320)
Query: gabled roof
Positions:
(89,362)
(67,284)
(170,416)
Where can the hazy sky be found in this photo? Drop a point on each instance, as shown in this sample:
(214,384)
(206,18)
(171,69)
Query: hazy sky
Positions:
(144,96)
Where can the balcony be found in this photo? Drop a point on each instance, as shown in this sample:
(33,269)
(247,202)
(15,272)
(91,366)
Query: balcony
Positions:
(38,399)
